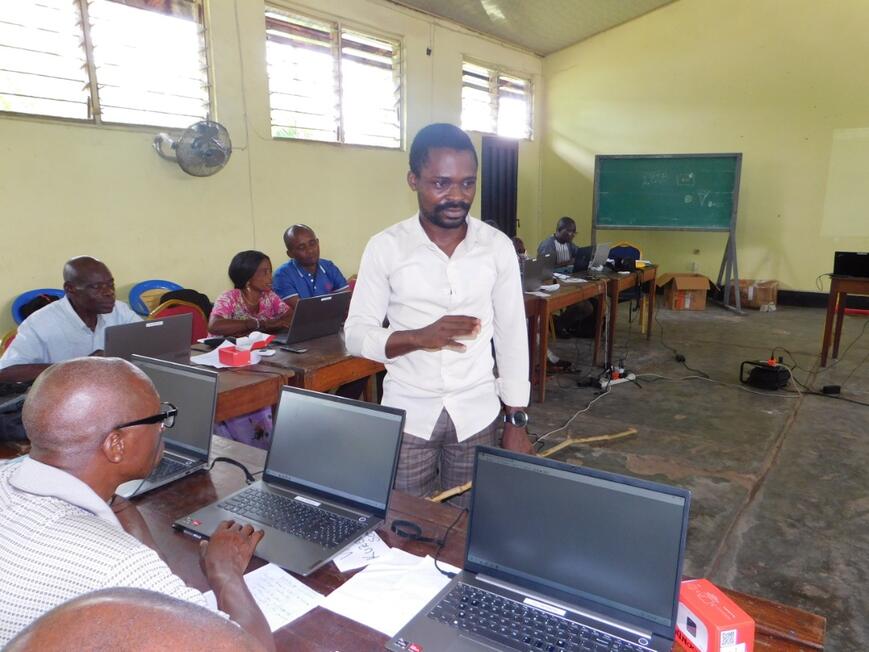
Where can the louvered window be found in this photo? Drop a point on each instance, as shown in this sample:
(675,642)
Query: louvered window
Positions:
(331,83)
(495,103)
(108,61)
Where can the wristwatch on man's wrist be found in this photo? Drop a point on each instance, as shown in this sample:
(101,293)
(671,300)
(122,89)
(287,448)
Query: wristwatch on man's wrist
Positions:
(519,418)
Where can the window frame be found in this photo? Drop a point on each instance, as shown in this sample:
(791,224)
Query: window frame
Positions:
(338,25)
(496,73)
(93,104)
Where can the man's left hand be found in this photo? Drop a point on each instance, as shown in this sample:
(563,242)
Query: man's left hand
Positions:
(516,439)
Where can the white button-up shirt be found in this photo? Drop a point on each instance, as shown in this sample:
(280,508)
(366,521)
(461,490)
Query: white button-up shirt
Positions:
(406,278)
(55,333)
(59,540)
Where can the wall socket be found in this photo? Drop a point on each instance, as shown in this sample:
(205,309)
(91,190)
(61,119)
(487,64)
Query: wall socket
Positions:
(695,266)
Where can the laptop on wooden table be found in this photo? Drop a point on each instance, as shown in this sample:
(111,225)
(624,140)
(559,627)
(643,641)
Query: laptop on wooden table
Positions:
(187,444)
(327,480)
(167,338)
(315,317)
(559,558)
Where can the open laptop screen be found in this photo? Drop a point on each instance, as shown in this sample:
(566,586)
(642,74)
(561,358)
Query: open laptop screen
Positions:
(344,448)
(194,392)
(601,538)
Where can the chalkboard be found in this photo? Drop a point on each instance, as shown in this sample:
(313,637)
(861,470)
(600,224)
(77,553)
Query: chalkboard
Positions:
(666,191)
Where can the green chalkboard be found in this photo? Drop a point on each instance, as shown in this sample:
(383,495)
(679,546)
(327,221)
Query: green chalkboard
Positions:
(666,191)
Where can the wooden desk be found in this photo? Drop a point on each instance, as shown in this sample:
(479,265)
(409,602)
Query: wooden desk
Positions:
(779,627)
(326,364)
(241,391)
(840,288)
(539,310)
(618,283)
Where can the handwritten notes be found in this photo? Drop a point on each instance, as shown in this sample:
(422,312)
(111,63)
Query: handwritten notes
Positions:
(361,553)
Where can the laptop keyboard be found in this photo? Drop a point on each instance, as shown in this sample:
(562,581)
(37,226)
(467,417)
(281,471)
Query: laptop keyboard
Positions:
(167,467)
(517,626)
(288,515)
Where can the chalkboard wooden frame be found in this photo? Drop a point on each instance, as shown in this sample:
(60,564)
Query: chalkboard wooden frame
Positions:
(728,274)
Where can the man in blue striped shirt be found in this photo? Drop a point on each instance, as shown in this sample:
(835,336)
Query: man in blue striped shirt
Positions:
(305,274)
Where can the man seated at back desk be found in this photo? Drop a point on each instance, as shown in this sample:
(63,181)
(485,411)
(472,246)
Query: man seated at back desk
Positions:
(72,327)
(305,275)
(560,245)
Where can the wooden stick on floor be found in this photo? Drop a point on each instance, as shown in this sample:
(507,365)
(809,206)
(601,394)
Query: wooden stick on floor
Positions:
(572,441)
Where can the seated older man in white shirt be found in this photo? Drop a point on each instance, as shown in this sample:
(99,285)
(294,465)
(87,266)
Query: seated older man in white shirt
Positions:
(95,423)
(449,286)
(72,327)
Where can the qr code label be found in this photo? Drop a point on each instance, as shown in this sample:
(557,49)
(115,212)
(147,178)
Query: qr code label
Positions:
(728,638)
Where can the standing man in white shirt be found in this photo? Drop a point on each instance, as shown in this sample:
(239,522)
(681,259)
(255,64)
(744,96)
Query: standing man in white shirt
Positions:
(449,286)
(72,327)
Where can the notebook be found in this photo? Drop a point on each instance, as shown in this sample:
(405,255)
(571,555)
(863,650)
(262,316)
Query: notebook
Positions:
(585,260)
(193,391)
(317,317)
(327,480)
(560,557)
(167,338)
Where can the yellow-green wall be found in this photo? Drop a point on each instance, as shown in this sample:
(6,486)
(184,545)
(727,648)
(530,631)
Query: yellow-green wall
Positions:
(782,82)
(69,189)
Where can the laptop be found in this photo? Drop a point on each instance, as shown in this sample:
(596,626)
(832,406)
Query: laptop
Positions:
(193,390)
(167,338)
(532,275)
(327,480)
(560,557)
(317,317)
(591,259)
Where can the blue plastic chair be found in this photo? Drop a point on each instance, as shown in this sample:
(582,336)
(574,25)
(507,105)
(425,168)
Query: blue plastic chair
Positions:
(28,296)
(136,291)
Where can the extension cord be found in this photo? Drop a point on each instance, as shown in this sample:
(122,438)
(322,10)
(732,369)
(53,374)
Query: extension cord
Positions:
(604,383)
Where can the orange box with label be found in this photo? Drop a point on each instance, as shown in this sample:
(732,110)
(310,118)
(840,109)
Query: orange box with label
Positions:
(229,355)
(709,621)
(684,291)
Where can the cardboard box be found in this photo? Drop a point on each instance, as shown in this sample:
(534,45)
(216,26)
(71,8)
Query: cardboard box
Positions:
(758,295)
(229,355)
(685,291)
(709,621)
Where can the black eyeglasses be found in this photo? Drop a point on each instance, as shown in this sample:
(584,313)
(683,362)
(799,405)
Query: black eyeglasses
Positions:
(166,418)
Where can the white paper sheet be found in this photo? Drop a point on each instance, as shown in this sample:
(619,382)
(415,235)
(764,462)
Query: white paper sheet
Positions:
(573,279)
(361,553)
(281,596)
(387,594)
(212,358)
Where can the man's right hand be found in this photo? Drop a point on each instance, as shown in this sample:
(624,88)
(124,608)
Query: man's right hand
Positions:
(228,553)
(442,334)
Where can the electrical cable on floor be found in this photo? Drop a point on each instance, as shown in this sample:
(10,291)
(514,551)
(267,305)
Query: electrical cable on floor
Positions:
(570,420)
(679,357)
(658,377)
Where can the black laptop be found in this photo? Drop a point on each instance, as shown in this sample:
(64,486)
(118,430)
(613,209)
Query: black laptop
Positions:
(326,482)
(193,391)
(317,317)
(167,338)
(560,557)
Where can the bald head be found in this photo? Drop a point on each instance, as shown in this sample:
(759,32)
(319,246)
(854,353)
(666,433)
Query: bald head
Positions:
(77,270)
(133,620)
(296,230)
(73,405)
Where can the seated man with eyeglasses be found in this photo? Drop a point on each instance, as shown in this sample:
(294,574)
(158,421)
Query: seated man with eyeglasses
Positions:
(95,423)
(305,275)
(72,327)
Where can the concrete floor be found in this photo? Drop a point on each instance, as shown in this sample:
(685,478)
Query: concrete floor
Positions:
(780,482)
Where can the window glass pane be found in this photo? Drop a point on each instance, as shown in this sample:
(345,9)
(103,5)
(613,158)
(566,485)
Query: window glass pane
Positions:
(303,88)
(371,90)
(42,59)
(514,107)
(495,103)
(150,61)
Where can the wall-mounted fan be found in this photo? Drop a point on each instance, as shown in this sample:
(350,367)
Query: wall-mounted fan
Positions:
(202,150)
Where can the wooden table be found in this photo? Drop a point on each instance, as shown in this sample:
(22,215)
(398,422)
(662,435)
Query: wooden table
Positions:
(241,391)
(540,309)
(779,627)
(840,288)
(618,283)
(326,364)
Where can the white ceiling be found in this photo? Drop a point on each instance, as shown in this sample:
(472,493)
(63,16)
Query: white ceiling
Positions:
(542,26)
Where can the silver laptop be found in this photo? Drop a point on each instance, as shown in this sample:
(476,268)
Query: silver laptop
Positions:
(601,255)
(193,391)
(327,480)
(167,338)
(317,317)
(560,557)
(536,271)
